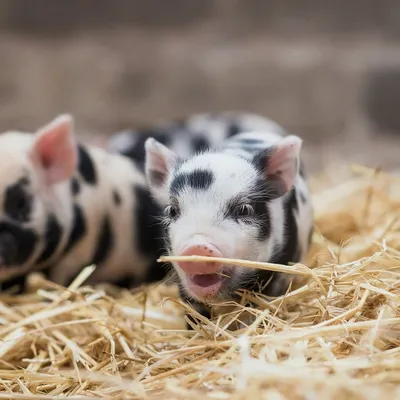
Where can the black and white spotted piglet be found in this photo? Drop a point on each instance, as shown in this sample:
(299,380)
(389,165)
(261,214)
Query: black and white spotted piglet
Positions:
(197,132)
(64,206)
(246,200)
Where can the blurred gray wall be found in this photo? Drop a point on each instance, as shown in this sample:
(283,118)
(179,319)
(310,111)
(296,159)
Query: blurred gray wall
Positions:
(327,70)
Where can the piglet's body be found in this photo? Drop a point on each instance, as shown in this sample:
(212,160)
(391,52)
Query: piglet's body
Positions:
(195,133)
(66,206)
(246,199)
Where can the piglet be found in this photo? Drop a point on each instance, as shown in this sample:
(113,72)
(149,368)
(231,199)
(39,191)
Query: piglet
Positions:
(64,205)
(245,199)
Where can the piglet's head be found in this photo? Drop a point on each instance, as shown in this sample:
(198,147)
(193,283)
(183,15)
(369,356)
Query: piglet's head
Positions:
(218,204)
(34,193)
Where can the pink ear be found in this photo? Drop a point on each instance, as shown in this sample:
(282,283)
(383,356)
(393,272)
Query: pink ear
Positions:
(54,150)
(282,164)
(159,161)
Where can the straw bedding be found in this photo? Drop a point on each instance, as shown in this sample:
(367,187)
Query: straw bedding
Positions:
(335,335)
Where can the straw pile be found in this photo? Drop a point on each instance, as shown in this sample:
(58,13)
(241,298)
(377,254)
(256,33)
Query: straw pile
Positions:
(336,335)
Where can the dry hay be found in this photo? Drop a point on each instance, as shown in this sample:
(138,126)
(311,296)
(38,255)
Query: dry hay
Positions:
(334,337)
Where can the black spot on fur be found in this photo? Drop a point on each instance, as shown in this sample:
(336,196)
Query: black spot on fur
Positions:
(16,285)
(136,152)
(46,272)
(78,229)
(292,199)
(200,179)
(75,186)
(117,197)
(268,283)
(86,166)
(200,144)
(17,201)
(250,142)
(249,149)
(290,252)
(261,213)
(156,272)
(53,236)
(105,243)
(146,218)
(151,233)
(233,129)
(277,285)
(17,244)
(126,282)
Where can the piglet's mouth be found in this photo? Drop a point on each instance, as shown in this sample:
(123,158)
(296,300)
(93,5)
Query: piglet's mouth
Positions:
(204,285)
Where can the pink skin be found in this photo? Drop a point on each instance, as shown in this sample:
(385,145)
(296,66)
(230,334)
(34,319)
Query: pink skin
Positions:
(54,150)
(202,278)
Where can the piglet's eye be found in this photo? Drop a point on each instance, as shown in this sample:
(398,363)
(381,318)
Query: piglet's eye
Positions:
(244,210)
(172,211)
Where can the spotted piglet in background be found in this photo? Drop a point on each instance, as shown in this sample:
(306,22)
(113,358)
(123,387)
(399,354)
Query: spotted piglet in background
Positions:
(64,206)
(195,133)
(247,199)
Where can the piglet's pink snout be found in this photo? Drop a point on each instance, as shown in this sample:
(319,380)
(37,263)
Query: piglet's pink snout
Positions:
(204,250)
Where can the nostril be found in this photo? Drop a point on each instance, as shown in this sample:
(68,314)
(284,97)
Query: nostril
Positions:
(200,250)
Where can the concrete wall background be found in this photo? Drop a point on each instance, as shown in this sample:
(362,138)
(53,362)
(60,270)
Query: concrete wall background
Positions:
(329,71)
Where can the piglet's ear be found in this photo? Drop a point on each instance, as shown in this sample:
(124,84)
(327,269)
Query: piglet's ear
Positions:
(54,150)
(159,162)
(281,165)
